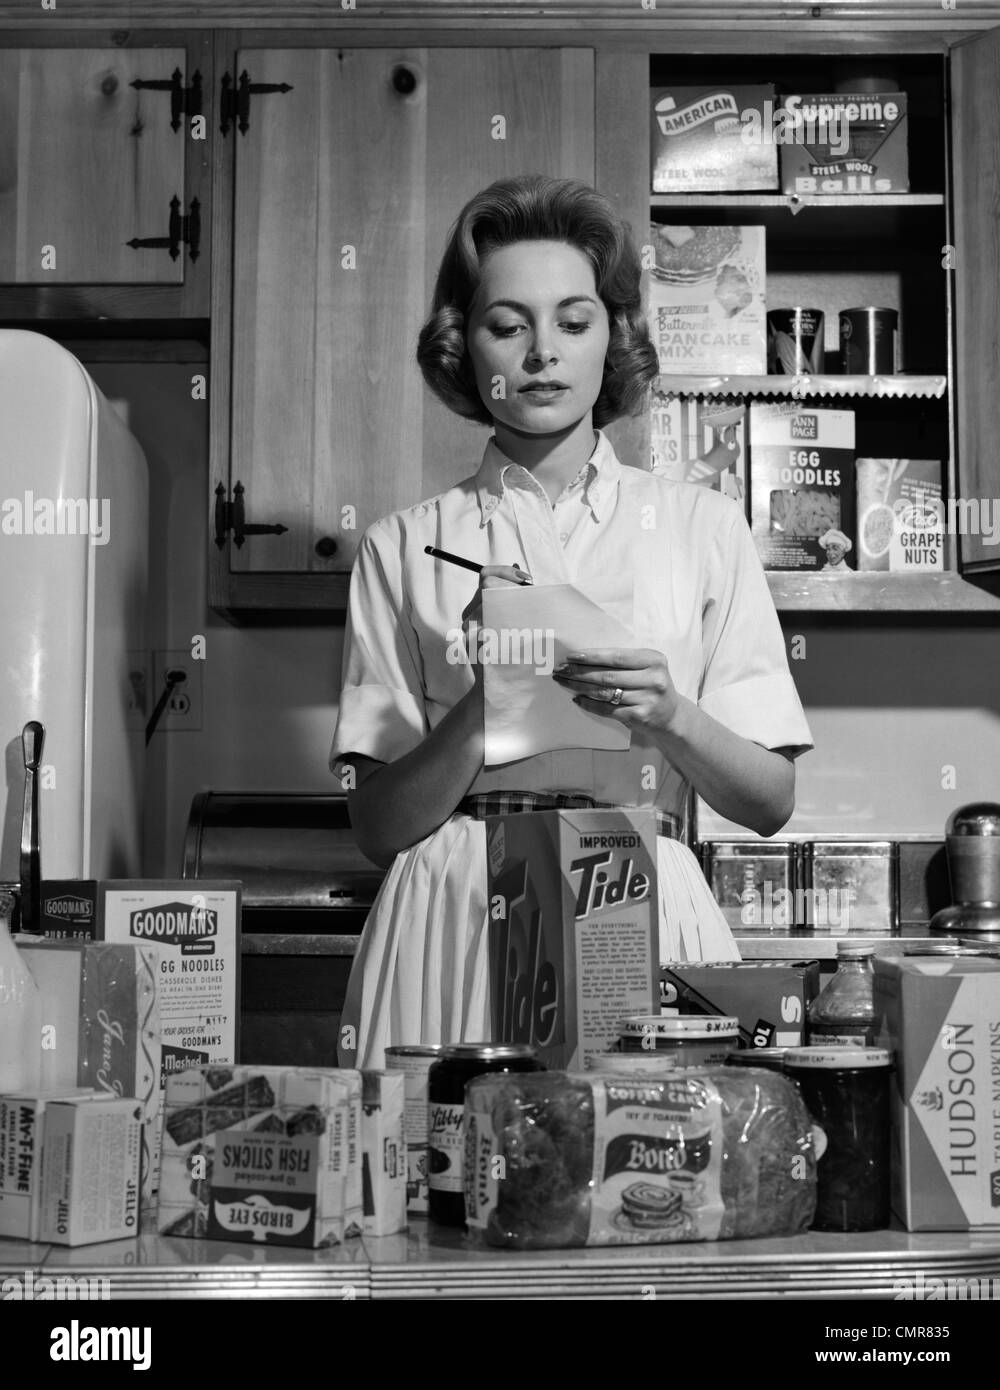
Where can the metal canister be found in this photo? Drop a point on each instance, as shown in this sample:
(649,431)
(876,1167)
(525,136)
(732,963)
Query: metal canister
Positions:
(851,885)
(754,884)
(457,1064)
(690,1040)
(868,341)
(795,341)
(414,1062)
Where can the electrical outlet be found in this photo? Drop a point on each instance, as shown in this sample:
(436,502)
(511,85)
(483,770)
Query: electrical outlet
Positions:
(183,709)
(138,701)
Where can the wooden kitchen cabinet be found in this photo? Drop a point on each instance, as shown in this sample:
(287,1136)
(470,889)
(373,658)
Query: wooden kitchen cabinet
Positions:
(344,188)
(90,163)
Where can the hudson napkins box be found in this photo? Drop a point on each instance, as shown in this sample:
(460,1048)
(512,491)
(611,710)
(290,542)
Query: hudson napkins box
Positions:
(707,312)
(91,1157)
(900,515)
(941,1017)
(802,487)
(843,143)
(769,997)
(702,442)
(262,1154)
(574,928)
(713,139)
(22,1120)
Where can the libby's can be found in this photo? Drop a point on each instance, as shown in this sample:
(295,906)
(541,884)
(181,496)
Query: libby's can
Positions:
(868,341)
(414,1062)
(795,341)
(457,1064)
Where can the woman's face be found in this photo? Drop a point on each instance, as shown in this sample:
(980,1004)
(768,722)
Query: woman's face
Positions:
(537,317)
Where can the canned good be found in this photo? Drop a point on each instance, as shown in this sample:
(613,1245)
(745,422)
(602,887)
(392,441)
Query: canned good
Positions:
(753,884)
(846,1091)
(868,341)
(633,1063)
(414,1062)
(457,1064)
(771,1058)
(851,885)
(795,341)
(695,1040)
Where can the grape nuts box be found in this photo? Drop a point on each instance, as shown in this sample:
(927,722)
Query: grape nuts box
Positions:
(574,928)
(941,1017)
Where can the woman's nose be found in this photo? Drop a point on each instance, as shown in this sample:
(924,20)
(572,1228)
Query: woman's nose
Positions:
(541,351)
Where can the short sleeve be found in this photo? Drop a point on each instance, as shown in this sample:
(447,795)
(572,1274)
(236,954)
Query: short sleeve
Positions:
(746,684)
(381,711)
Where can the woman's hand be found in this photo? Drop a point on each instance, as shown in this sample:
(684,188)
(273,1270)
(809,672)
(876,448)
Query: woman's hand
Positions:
(631,685)
(491,577)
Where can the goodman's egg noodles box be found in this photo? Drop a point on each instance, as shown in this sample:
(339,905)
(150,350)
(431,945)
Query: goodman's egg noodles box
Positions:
(574,929)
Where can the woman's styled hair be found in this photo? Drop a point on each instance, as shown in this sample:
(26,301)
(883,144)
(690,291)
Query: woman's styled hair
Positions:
(533,207)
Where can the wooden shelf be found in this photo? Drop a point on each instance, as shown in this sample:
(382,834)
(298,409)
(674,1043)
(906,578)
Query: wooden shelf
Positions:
(893,387)
(798,591)
(795,202)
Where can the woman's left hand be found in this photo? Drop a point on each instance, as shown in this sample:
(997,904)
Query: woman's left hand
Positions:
(630,685)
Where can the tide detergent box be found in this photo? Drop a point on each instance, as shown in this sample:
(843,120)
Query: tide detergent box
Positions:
(574,928)
(941,1017)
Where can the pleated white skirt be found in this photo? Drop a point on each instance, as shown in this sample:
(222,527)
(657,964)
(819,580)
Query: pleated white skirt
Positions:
(420,974)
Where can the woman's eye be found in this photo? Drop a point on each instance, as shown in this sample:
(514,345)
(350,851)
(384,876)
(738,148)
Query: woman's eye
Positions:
(576,327)
(505,330)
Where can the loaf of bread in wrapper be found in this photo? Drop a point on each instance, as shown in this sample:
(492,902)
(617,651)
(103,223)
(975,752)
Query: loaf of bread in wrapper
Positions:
(554,1160)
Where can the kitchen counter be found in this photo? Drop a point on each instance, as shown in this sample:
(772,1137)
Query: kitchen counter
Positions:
(432,1262)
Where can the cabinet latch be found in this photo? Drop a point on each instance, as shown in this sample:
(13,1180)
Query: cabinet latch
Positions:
(184,101)
(235,104)
(184,230)
(229,516)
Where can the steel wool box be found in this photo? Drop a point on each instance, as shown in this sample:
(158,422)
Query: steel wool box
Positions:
(574,928)
(941,1017)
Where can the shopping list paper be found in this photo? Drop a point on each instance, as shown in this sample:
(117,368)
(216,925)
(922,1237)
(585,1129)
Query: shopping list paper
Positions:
(527,631)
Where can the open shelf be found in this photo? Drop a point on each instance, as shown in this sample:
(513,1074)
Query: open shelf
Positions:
(800,591)
(800,387)
(795,202)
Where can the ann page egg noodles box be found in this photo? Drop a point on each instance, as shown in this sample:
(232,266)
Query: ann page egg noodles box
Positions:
(574,928)
(941,1017)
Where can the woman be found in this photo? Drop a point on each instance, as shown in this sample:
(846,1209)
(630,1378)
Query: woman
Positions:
(537,328)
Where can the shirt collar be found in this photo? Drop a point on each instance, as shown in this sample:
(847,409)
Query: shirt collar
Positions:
(497,473)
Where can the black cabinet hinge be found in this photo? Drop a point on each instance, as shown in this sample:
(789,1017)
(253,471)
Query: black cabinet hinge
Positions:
(234,103)
(181,230)
(184,101)
(229,516)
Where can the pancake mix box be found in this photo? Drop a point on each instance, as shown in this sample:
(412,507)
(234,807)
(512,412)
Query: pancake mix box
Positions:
(574,928)
(712,139)
(802,487)
(844,142)
(707,312)
(941,1017)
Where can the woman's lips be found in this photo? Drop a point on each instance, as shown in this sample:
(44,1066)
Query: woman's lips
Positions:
(543,393)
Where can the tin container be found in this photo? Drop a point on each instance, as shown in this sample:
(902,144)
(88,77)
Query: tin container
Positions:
(850,885)
(415,1063)
(689,1040)
(771,1058)
(754,884)
(634,1063)
(457,1064)
(846,1091)
(868,341)
(795,341)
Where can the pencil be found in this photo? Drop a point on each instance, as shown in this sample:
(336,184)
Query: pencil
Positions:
(466,564)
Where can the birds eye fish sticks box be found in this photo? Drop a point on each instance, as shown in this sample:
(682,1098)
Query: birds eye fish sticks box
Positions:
(941,1017)
(574,928)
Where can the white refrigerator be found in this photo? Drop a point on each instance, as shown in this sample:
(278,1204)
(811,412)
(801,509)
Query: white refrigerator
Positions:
(73,572)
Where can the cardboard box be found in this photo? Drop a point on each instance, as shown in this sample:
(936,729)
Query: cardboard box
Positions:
(802,487)
(712,139)
(941,1017)
(574,928)
(843,143)
(69,908)
(384,1150)
(702,442)
(22,1119)
(91,1160)
(261,1154)
(769,997)
(900,515)
(707,312)
(100,1010)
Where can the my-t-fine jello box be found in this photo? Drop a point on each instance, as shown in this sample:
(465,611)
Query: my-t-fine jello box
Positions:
(843,142)
(769,997)
(574,928)
(22,1120)
(802,487)
(713,139)
(941,1017)
(91,1157)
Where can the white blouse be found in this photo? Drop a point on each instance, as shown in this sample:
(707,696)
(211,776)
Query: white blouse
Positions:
(700,597)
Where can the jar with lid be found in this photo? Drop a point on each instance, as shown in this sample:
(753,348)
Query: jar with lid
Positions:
(457,1064)
(20,1011)
(688,1040)
(843,1013)
(770,1058)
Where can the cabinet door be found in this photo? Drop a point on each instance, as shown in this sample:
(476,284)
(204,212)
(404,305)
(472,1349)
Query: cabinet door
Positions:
(345,188)
(87,163)
(976,156)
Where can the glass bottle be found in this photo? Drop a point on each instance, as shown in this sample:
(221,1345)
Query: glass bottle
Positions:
(20,1012)
(843,1013)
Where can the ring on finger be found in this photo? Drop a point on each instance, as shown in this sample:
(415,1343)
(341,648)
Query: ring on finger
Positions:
(617,695)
